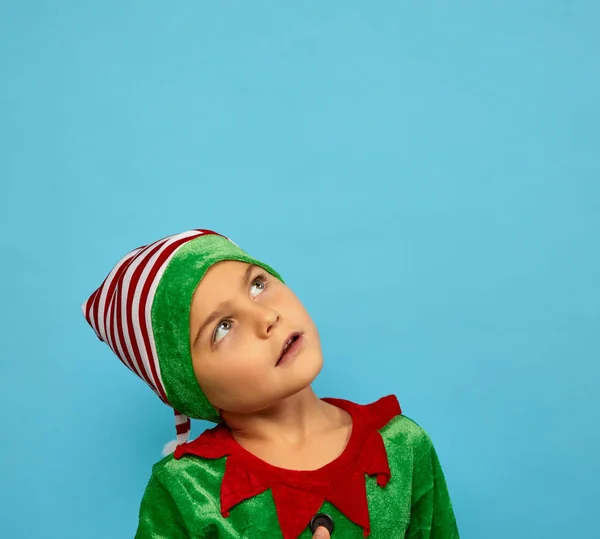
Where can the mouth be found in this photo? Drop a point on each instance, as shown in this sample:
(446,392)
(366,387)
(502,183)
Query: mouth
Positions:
(290,347)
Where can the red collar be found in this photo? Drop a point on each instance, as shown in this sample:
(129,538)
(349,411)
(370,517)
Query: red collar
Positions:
(341,482)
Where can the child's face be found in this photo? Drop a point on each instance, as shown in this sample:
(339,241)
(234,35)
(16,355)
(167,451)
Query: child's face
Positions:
(235,354)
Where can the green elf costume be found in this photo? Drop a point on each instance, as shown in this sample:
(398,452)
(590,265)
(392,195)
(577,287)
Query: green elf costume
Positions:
(387,483)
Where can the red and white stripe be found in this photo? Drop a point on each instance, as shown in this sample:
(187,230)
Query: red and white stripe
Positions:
(119,311)
(182,425)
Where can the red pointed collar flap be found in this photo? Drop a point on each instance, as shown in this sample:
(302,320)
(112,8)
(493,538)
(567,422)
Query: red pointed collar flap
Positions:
(298,495)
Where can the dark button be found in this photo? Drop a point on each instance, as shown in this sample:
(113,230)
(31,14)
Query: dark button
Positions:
(321,519)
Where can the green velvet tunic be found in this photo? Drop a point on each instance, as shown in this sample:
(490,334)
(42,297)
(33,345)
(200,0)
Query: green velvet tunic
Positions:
(182,499)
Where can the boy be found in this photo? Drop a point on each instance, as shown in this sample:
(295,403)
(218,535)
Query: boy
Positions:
(219,336)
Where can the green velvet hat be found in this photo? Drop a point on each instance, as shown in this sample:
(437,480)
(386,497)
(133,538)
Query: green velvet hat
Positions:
(142,311)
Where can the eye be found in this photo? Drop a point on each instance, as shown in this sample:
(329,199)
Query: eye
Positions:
(259,284)
(221,330)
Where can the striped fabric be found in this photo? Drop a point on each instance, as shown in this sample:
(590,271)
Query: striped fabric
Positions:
(119,312)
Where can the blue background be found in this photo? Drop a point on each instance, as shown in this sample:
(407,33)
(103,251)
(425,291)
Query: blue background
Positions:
(426,176)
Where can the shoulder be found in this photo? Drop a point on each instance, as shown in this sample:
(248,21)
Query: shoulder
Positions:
(176,493)
(167,468)
(386,416)
(172,467)
(408,444)
(189,474)
(401,429)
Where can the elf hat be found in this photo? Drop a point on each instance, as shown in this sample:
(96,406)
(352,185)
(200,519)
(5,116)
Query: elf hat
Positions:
(142,311)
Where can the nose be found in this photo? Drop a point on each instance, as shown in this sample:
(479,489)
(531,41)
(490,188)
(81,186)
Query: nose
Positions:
(267,321)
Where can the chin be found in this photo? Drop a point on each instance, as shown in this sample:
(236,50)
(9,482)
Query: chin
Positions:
(309,372)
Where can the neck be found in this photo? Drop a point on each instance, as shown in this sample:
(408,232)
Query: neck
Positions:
(291,420)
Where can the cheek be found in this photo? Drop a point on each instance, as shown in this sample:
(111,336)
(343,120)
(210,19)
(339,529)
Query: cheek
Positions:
(241,386)
(239,371)
(294,302)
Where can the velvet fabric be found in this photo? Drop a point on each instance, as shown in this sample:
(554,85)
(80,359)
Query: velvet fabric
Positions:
(171,319)
(388,483)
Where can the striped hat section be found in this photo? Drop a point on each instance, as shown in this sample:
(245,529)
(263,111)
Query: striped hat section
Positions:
(142,311)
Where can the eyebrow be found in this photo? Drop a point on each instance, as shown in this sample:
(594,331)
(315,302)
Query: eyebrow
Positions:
(223,305)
